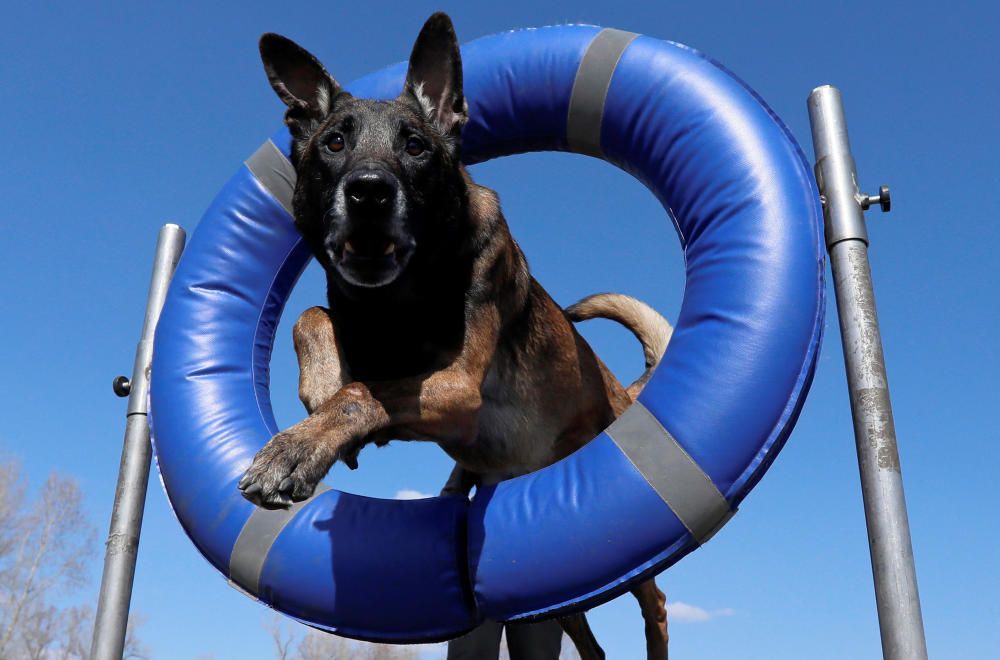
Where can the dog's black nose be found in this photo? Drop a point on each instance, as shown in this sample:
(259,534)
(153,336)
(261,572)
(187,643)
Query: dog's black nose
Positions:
(370,192)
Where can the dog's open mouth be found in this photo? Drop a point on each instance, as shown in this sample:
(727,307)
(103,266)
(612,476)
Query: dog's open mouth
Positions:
(372,262)
(390,247)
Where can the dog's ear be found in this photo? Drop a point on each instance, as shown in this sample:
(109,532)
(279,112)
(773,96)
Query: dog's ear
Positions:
(435,75)
(300,81)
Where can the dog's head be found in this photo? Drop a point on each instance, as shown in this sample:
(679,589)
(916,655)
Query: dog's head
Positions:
(376,179)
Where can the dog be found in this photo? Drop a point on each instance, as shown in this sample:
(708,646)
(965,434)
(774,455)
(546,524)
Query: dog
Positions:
(435,329)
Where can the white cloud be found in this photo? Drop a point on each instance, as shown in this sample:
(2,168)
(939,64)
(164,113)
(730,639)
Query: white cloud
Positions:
(680,612)
(410,494)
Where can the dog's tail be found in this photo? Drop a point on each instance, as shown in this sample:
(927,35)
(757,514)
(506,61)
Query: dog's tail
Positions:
(649,327)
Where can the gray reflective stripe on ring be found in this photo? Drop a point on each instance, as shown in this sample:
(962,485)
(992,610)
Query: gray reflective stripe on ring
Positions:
(672,473)
(590,88)
(255,540)
(274,172)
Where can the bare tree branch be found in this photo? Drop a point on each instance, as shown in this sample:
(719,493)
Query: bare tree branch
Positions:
(45,544)
(38,638)
(317,645)
(78,624)
(283,636)
(53,540)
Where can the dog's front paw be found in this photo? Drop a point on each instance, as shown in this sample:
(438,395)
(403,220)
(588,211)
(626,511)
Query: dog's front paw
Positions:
(286,470)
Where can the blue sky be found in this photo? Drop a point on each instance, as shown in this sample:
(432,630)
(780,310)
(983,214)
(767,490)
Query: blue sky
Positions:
(120,118)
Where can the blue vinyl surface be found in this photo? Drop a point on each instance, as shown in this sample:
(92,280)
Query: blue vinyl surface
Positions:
(742,356)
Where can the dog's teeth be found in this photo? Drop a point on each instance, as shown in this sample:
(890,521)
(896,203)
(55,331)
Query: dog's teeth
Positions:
(348,247)
(389,249)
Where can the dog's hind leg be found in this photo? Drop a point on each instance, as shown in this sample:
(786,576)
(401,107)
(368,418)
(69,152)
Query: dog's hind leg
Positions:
(653,604)
(576,626)
(322,368)
(460,482)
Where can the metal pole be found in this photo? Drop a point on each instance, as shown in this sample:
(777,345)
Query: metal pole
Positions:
(894,574)
(133,474)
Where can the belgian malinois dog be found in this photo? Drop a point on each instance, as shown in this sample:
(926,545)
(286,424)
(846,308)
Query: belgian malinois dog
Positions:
(435,329)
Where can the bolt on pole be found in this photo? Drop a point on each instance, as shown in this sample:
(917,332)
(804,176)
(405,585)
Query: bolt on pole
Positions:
(895,578)
(133,475)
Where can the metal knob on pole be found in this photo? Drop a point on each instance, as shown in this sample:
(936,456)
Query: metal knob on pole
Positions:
(133,476)
(898,603)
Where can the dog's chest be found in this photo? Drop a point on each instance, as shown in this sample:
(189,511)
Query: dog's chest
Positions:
(514,438)
(380,346)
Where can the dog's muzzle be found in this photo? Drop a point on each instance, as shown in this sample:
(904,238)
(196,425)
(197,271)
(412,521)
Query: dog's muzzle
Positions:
(369,243)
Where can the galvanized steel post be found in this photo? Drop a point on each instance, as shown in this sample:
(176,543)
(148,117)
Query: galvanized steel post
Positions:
(895,578)
(133,475)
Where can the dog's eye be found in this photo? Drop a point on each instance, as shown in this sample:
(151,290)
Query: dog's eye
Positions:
(415,146)
(335,143)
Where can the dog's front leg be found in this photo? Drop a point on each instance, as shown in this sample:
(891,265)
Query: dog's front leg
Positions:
(322,373)
(441,406)
(292,463)
(322,367)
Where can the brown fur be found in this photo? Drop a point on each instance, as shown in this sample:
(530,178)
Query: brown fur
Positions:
(509,389)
